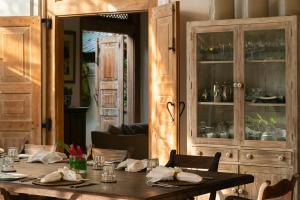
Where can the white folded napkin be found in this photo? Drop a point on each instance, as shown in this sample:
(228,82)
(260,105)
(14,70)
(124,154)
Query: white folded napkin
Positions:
(47,157)
(162,174)
(1,150)
(132,165)
(52,177)
(188,177)
(69,175)
(61,174)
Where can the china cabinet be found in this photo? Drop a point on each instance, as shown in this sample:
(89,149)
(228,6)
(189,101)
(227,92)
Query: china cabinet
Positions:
(242,96)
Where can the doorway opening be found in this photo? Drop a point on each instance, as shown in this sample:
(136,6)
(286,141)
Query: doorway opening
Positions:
(94,102)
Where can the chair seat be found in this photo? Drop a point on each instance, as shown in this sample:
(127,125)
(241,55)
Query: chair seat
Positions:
(236,198)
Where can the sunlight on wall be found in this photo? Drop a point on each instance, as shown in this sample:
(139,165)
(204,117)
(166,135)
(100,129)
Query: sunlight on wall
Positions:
(19,7)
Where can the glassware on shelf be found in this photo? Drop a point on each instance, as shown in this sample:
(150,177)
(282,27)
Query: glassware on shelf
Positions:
(217,92)
(227,92)
(269,134)
(204,96)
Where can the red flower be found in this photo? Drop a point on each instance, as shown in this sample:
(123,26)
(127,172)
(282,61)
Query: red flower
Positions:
(79,151)
(72,150)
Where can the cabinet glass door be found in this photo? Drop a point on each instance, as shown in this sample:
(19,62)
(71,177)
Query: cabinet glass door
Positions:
(215,70)
(265,108)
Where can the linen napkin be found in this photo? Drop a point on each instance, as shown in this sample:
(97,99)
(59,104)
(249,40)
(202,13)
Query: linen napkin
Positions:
(188,177)
(61,174)
(162,174)
(1,150)
(132,165)
(47,157)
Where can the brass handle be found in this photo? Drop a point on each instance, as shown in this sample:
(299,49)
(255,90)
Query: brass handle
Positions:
(228,154)
(237,85)
(249,156)
(240,191)
(281,158)
(200,153)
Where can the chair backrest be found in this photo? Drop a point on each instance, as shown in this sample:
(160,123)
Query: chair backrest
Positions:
(284,188)
(211,163)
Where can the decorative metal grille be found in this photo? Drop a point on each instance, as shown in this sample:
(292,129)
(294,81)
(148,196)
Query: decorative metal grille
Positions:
(116,16)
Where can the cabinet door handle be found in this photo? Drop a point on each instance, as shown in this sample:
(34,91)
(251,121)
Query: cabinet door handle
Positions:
(249,156)
(281,158)
(200,153)
(228,154)
(240,191)
(238,85)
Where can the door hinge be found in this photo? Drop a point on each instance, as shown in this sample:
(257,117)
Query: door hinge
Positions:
(191,85)
(173,45)
(47,22)
(47,124)
(191,133)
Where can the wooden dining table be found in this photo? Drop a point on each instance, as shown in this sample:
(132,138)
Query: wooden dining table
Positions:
(129,185)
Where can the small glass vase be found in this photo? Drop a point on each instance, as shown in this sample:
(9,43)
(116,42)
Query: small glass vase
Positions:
(78,163)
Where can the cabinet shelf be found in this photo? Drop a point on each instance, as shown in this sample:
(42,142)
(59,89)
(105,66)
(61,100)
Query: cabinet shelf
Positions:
(216,103)
(266,61)
(266,104)
(216,62)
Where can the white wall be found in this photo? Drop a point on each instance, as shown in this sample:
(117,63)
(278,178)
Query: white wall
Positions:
(19,7)
(92,115)
(73,24)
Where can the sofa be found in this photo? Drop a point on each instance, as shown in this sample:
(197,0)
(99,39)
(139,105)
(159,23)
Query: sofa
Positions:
(132,137)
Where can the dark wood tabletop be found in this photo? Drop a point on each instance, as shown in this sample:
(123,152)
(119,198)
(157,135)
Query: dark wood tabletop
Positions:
(128,185)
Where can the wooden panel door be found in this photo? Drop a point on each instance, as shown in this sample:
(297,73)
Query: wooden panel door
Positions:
(110,81)
(20,79)
(164,81)
(261,174)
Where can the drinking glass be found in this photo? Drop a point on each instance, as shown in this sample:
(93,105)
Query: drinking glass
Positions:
(98,161)
(152,163)
(108,174)
(8,164)
(12,152)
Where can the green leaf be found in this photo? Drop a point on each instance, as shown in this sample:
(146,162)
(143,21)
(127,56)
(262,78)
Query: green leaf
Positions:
(273,120)
(64,145)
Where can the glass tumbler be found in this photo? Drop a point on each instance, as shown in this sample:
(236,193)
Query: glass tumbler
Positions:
(98,161)
(108,174)
(8,165)
(12,152)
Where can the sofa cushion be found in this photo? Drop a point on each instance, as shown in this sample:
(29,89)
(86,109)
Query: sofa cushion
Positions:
(136,145)
(134,129)
(114,129)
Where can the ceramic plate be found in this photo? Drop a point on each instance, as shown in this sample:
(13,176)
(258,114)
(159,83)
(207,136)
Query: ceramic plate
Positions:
(11,176)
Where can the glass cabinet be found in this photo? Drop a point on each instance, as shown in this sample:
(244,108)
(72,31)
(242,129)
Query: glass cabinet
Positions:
(239,77)
(264,77)
(242,96)
(214,87)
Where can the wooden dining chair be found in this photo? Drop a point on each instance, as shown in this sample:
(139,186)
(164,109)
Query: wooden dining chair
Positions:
(284,188)
(4,194)
(210,163)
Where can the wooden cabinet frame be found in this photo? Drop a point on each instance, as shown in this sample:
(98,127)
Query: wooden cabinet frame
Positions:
(266,154)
